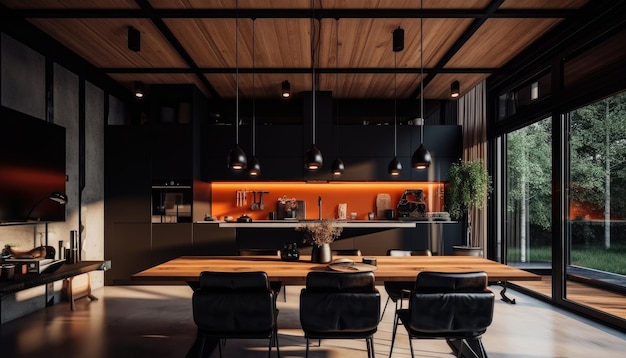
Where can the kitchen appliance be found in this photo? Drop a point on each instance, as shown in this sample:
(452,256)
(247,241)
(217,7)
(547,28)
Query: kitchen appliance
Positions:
(171,201)
(244,219)
(300,211)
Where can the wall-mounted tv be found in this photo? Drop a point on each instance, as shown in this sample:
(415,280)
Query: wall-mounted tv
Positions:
(32,169)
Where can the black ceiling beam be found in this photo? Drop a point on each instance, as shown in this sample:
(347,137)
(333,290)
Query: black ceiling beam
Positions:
(462,40)
(167,33)
(288,13)
(305,70)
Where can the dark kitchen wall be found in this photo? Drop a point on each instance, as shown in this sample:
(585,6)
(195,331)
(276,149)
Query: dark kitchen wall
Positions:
(47,83)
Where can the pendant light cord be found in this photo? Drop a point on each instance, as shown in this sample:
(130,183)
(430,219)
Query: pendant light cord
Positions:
(313,64)
(253,98)
(337,89)
(237,70)
(422,72)
(395,107)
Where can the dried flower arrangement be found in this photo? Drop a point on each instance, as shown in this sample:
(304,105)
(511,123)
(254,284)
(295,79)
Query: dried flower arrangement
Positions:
(320,232)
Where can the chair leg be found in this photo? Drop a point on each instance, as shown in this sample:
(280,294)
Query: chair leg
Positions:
(411,346)
(370,346)
(276,341)
(306,352)
(393,335)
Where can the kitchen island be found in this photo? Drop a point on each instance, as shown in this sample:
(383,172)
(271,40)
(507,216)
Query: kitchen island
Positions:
(372,237)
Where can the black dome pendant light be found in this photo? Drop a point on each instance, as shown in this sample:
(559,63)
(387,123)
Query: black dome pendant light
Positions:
(421,157)
(237,160)
(395,167)
(338,167)
(254,166)
(314,159)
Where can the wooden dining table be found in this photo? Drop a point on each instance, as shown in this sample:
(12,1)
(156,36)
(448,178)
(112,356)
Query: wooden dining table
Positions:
(388,268)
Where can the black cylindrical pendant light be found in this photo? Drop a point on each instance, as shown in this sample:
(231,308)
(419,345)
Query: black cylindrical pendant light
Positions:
(314,159)
(338,167)
(455,89)
(138,89)
(421,157)
(286,89)
(237,160)
(254,165)
(395,167)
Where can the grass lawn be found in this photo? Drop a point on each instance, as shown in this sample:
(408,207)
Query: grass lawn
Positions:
(611,260)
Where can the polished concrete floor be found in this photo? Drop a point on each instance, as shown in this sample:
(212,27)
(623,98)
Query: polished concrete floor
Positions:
(156,321)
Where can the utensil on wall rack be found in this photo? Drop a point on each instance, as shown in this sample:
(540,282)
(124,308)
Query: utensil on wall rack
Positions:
(258,205)
(241,197)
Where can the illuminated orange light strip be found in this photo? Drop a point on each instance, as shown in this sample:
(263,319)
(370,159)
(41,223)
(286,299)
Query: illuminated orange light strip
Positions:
(359,196)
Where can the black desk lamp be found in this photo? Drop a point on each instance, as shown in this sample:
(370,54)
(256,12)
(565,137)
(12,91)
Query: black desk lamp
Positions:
(54,196)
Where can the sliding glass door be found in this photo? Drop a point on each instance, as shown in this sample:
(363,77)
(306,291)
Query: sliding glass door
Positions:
(597,192)
(528,196)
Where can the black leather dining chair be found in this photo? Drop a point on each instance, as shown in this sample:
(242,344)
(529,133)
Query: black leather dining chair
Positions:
(457,307)
(233,305)
(346,252)
(340,305)
(396,289)
(274,285)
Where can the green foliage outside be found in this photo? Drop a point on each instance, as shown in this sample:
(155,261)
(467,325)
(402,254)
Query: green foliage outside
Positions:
(597,187)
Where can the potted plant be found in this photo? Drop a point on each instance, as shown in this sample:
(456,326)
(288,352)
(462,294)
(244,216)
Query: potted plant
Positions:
(320,234)
(469,184)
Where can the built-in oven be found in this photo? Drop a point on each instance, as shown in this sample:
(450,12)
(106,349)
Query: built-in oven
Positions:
(171,201)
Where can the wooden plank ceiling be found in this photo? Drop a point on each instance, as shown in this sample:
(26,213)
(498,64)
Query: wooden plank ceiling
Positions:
(193,41)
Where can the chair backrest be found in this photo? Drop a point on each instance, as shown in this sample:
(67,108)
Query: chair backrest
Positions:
(339,302)
(398,252)
(347,252)
(451,303)
(231,303)
(259,252)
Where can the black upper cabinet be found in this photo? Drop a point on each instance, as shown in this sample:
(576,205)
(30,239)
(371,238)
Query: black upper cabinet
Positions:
(366,150)
(127,174)
(171,152)
(176,114)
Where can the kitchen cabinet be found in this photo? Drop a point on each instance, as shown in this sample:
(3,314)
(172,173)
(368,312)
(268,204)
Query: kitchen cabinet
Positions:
(209,239)
(127,201)
(365,150)
(128,246)
(170,241)
(278,148)
(165,147)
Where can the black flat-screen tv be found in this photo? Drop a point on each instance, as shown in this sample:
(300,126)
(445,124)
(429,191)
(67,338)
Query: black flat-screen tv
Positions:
(32,169)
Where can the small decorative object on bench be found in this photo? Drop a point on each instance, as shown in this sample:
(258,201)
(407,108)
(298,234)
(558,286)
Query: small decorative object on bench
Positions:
(290,252)
(320,234)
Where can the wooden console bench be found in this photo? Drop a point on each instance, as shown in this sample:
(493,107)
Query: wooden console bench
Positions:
(65,271)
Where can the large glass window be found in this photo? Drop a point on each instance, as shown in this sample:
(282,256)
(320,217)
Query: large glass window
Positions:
(597,190)
(529,196)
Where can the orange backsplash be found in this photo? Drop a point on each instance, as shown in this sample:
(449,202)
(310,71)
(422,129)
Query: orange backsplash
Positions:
(360,197)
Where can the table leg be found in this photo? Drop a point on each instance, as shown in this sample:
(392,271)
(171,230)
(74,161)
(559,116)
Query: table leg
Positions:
(505,298)
(477,350)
